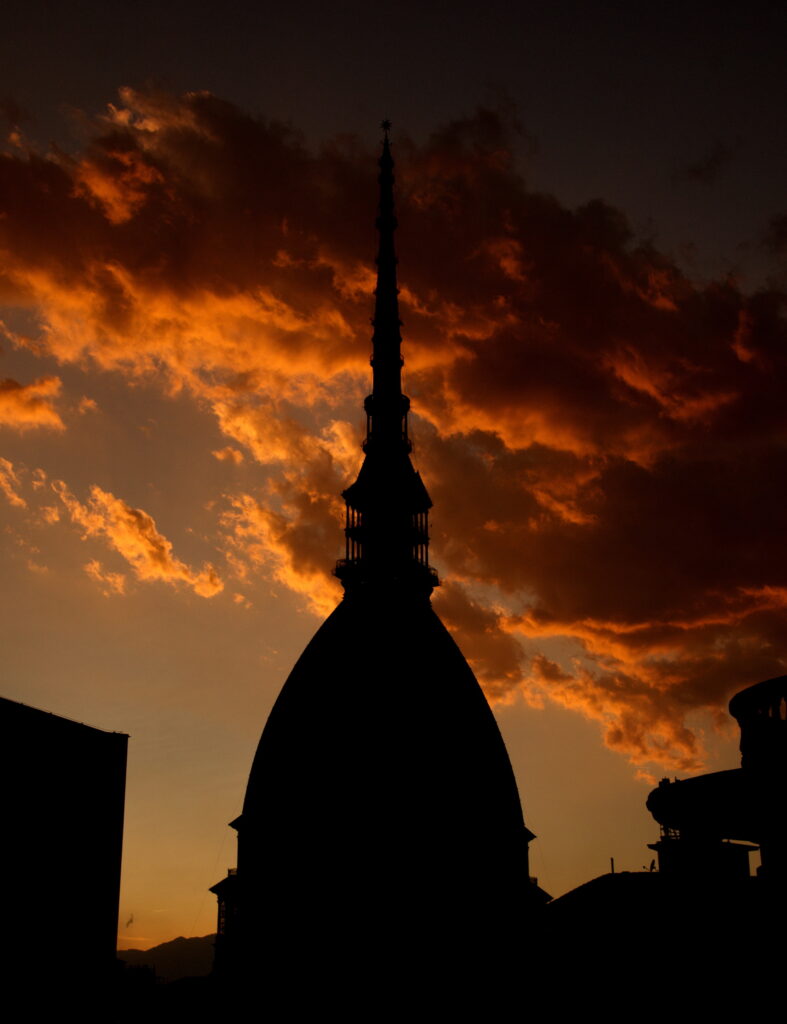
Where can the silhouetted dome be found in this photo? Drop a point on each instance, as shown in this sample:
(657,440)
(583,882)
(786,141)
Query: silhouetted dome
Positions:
(381,756)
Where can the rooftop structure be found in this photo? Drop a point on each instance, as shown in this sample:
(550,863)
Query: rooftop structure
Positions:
(707,821)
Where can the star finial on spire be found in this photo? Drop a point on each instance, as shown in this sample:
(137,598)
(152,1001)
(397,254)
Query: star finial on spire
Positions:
(386,126)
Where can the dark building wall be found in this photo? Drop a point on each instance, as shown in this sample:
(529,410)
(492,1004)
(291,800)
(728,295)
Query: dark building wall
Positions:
(63,793)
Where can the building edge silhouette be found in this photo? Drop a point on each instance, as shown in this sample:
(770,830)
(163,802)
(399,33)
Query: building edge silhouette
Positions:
(64,800)
(696,926)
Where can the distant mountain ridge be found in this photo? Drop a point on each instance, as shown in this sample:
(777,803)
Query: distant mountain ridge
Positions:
(178,958)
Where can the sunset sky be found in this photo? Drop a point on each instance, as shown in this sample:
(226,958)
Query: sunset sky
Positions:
(593,264)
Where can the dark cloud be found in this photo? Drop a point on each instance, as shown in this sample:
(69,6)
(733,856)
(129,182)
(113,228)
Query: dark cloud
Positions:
(707,169)
(13,113)
(776,235)
(24,406)
(603,437)
(496,655)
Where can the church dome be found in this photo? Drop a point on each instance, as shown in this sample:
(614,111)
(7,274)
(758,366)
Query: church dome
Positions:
(381,799)
(383,733)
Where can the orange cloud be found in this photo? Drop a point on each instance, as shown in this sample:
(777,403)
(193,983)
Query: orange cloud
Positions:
(9,484)
(133,534)
(228,454)
(635,721)
(110,582)
(294,552)
(602,436)
(494,653)
(24,406)
(117,180)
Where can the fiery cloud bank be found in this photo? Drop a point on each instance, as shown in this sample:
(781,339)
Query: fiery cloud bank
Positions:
(603,438)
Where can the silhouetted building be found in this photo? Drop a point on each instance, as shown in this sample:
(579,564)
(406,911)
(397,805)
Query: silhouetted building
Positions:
(701,926)
(382,831)
(62,804)
(709,821)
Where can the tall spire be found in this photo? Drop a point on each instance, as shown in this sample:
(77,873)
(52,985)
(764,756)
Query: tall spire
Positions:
(387,528)
(386,401)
